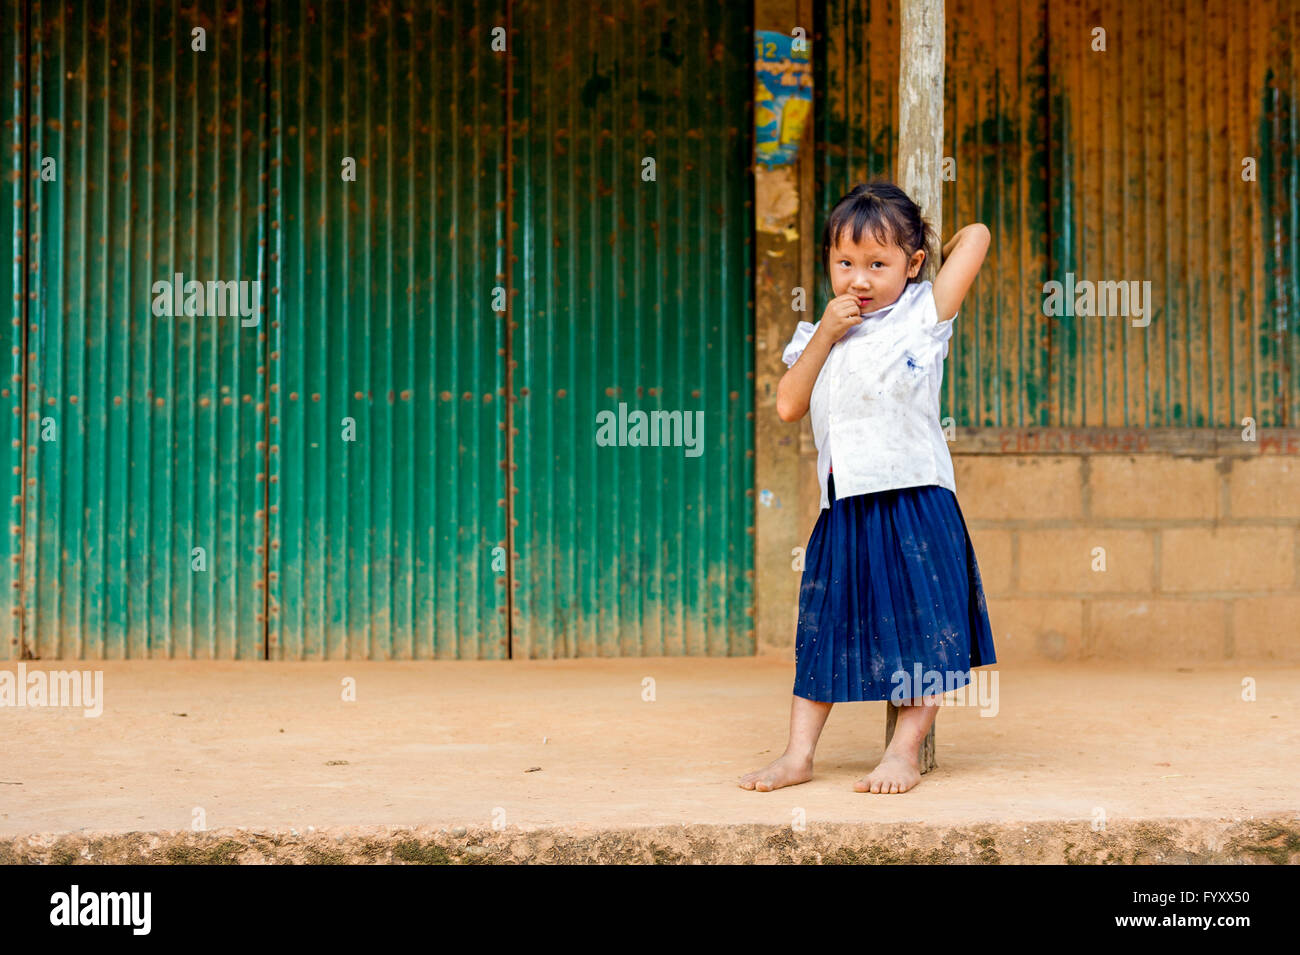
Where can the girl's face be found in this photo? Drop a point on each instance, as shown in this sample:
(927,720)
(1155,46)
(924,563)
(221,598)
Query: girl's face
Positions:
(875,273)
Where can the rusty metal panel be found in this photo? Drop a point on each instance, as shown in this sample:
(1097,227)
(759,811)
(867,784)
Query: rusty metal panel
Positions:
(632,293)
(1122,164)
(14,177)
(1151,135)
(996,127)
(144,431)
(996,136)
(855,95)
(387,540)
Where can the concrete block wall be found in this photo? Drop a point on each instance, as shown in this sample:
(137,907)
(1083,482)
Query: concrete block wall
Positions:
(1201,555)
(1200,532)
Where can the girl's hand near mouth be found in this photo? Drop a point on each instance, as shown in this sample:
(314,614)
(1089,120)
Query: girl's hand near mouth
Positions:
(842,313)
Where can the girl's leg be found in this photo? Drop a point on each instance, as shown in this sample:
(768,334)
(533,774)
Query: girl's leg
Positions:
(900,768)
(795,765)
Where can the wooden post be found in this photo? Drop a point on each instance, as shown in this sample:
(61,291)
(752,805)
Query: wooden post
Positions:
(783,242)
(920,162)
(920,112)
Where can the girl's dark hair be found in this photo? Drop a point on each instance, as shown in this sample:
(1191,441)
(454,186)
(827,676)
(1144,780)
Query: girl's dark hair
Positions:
(884,209)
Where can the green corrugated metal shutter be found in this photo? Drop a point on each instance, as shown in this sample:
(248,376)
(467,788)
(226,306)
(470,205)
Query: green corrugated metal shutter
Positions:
(382,547)
(385,324)
(144,433)
(633,292)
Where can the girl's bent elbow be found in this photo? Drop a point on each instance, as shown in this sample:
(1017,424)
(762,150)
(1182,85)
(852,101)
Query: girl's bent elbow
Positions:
(787,414)
(787,408)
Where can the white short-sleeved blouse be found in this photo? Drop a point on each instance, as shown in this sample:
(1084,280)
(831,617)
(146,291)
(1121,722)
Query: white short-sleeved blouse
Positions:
(876,399)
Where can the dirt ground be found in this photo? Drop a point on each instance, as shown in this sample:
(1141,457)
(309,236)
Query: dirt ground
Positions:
(437,756)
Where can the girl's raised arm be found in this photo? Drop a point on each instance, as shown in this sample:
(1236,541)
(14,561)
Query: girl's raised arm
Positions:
(962,258)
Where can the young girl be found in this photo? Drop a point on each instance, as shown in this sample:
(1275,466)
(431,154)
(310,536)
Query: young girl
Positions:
(891,592)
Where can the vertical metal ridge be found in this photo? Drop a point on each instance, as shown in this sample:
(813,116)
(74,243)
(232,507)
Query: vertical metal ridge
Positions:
(1200,349)
(29,635)
(1166,332)
(509,269)
(1256,296)
(1289,414)
(1145,73)
(423,398)
(277,404)
(362,568)
(17,591)
(268,420)
(402,602)
(1183,412)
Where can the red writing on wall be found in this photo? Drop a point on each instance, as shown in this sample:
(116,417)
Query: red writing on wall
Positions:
(1066,440)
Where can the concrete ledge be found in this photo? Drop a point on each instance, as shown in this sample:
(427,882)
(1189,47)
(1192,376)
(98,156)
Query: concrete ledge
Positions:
(1149,842)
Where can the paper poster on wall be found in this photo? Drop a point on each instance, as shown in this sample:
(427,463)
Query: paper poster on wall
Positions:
(782,95)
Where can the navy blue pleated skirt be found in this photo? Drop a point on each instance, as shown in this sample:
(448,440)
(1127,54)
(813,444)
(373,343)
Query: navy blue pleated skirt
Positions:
(891,600)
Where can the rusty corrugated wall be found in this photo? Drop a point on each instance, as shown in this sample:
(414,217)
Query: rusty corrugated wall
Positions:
(634,293)
(1149,138)
(1122,164)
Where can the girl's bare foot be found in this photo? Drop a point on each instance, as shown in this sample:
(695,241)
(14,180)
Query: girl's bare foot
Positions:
(785,770)
(893,774)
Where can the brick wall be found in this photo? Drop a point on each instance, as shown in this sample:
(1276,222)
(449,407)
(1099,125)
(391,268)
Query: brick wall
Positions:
(1201,532)
(1201,554)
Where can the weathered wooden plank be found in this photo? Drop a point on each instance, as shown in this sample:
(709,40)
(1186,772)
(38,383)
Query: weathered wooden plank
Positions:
(1193,442)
